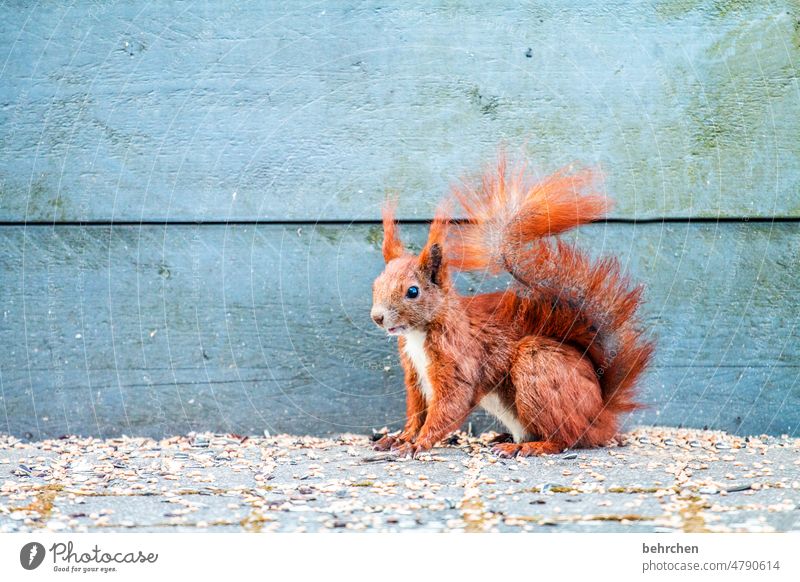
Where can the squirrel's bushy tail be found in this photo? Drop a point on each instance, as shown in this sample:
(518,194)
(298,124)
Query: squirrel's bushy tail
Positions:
(563,294)
(559,293)
(506,209)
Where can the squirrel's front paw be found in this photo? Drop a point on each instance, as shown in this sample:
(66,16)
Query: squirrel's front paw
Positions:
(385,443)
(407,449)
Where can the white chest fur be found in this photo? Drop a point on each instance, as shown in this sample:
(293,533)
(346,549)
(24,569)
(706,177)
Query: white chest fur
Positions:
(492,404)
(415,350)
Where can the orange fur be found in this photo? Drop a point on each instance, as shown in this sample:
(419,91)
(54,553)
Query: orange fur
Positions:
(392,246)
(507,209)
(556,356)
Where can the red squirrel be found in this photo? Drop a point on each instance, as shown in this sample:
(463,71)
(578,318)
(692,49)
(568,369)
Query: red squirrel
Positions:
(555,357)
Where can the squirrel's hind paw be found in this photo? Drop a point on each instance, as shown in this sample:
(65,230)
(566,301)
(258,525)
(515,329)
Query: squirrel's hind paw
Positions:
(502,437)
(508,450)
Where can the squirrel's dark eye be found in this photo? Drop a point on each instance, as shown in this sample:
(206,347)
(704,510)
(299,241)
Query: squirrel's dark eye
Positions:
(413,292)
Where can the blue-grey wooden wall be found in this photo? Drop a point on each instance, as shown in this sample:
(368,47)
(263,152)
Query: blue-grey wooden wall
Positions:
(189,195)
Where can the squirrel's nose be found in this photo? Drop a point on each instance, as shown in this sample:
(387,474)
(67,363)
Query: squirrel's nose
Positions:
(377,315)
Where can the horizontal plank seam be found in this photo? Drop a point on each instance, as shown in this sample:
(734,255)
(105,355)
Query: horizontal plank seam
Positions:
(181,370)
(421,221)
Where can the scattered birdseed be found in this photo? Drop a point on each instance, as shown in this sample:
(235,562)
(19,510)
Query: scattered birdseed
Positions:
(652,479)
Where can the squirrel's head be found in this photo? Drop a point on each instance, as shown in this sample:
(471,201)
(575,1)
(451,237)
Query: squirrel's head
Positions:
(409,292)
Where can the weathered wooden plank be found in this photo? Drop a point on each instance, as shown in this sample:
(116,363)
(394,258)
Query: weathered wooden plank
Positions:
(157,330)
(278,110)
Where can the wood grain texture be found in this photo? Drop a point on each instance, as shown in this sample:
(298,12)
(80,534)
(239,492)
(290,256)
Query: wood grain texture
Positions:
(285,110)
(160,330)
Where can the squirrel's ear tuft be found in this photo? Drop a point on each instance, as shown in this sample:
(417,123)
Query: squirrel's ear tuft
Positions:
(431,258)
(431,263)
(392,245)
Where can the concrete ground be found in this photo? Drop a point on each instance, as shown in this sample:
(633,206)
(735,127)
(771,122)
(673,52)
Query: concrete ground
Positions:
(655,480)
